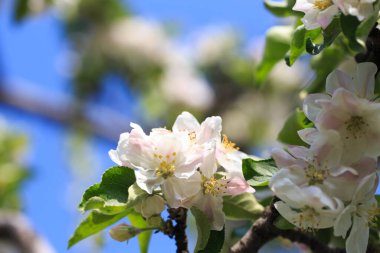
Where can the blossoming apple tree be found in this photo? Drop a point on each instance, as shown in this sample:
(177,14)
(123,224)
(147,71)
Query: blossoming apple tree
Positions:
(322,182)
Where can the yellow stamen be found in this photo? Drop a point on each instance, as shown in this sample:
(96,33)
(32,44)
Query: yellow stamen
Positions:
(192,136)
(315,175)
(213,186)
(166,167)
(322,4)
(229,145)
(356,127)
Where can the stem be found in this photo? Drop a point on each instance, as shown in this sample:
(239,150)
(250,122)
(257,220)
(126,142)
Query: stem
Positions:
(180,216)
(373,49)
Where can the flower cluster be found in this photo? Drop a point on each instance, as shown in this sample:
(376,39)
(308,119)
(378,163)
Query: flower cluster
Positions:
(190,165)
(320,13)
(332,182)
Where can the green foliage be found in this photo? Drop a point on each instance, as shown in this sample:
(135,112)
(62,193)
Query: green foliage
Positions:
(280,9)
(111,195)
(283,224)
(296,121)
(329,35)
(242,207)
(277,44)
(349,25)
(203,228)
(298,43)
(94,223)
(215,242)
(258,173)
(144,238)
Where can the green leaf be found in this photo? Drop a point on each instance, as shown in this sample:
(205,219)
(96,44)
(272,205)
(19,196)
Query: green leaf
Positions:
(296,121)
(111,195)
(215,242)
(280,9)
(242,207)
(258,173)
(136,195)
(282,223)
(144,238)
(298,43)
(203,229)
(329,35)
(94,223)
(349,25)
(276,46)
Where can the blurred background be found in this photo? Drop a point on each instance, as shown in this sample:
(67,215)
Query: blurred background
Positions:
(75,73)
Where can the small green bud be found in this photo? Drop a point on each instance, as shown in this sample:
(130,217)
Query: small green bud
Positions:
(155,221)
(124,232)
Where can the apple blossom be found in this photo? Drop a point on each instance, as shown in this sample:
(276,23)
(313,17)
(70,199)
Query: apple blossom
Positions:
(214,186)
(161,159)
(349,110)
(318,13)
(360,8)
(150,206)
(357,215)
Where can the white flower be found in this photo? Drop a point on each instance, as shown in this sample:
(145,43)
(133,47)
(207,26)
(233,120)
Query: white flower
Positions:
(360,8)
(320,166)
(162,159)
(318,13)
(357,216)
(347,109)
(307,207)
(227,154)
(214,186)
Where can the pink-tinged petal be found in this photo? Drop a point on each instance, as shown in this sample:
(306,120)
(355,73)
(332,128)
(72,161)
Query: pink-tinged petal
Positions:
(186,122)
(340,4)
(326,16)
(210,130)
(346,100)
(365,166)
(328,148)
(237,186)
(310,106)
(331,120)
(310,19)
(308,135)
(282,158)
(303,5)
(339,79)
(299,152)
(365,79)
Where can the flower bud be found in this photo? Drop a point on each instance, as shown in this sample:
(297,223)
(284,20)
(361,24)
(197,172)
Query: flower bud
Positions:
(155,221)
(124,232)
(152,205)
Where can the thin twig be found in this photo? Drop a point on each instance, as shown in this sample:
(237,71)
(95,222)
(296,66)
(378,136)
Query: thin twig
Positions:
(179,215)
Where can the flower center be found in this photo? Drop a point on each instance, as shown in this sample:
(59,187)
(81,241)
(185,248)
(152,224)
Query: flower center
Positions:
(322,4)
(229,145)
(166,166)
(356,127)
(192,136)
(308,218)
(373,215)
(315,175)
(213,186)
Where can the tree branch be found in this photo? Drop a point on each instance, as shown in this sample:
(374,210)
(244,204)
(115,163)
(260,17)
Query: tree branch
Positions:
(180,216)
(264,230)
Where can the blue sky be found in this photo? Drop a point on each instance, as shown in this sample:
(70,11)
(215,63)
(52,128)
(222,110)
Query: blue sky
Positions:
(28,64)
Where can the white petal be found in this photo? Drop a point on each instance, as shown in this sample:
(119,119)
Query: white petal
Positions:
(186,122)
(308,135)
(210,130)
(339,79)
(344,221)
(357,241)
(365,79)
(311,107)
